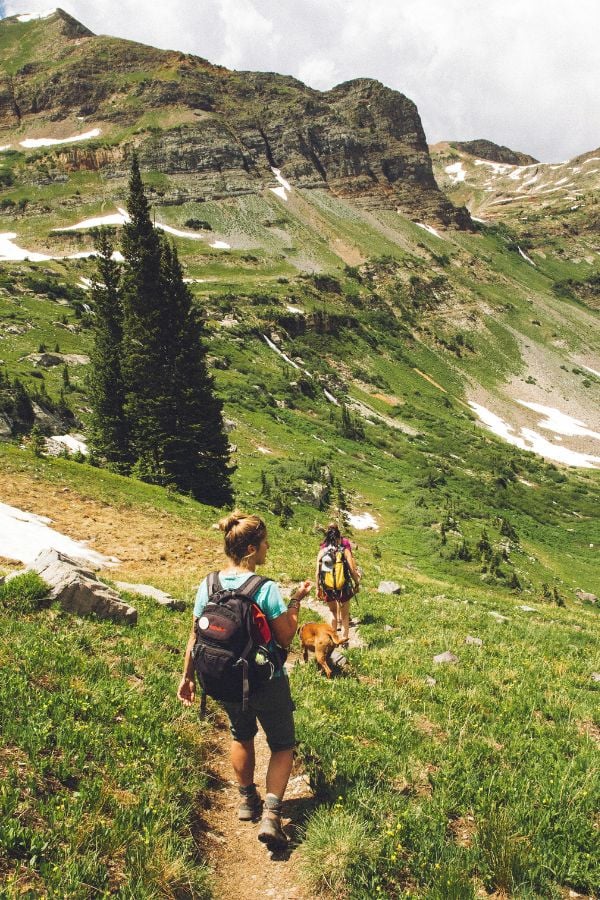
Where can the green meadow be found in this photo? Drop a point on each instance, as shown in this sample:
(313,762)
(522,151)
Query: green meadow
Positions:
(470,778)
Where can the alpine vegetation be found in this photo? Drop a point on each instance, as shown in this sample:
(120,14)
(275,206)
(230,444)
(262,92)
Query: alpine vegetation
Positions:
(155,413)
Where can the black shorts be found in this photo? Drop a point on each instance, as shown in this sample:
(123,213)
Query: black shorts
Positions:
(339,596)
(273,707)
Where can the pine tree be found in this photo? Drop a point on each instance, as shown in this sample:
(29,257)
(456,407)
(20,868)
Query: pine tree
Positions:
(175,420)
(196,448)
(145,331)
(108,426)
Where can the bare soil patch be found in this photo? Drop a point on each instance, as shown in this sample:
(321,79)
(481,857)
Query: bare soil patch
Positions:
(151,546)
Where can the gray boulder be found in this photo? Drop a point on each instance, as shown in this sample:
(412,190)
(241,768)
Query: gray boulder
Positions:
(390,587)
(147,590)
(447,657)
(477,642)
(78,590)
(498,616)
(585,596)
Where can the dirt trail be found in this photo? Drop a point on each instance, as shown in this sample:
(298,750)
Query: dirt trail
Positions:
(242,865)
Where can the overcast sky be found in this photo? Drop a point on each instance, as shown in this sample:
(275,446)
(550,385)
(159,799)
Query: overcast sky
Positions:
(524,73)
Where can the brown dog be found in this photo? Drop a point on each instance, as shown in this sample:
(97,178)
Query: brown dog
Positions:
(322,639)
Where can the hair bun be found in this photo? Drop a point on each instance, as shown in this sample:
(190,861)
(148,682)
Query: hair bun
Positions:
(230,521)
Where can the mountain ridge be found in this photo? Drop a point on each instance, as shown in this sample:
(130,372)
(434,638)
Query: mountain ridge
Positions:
(360,139)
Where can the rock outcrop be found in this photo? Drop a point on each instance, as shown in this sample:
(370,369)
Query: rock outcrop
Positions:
(494,152)
(147,590)
(78,591)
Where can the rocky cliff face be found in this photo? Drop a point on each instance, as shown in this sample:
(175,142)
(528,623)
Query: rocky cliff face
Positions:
(494,152)
(360,140)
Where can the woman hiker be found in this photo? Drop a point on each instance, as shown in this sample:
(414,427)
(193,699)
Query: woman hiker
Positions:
(337,577)
(246,547)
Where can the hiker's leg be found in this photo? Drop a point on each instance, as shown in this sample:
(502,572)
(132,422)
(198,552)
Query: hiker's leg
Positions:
(339,615)
(345,619)
(275,711)
(278,773)
(243,761)
(333,609)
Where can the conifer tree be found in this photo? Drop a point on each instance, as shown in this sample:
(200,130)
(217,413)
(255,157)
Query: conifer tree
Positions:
(175,419)
(196,449)
(108,427)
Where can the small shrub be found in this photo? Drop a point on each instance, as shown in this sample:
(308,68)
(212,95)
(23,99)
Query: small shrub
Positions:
(336,844)
(504,852)
(23,593)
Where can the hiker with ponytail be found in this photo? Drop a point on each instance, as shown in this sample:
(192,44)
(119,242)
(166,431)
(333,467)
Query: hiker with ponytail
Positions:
(337,577)
(236,649)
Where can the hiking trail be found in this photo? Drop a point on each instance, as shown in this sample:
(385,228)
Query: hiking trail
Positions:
(242,866)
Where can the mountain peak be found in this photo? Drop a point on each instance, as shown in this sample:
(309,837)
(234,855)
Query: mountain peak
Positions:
(485,149)
(67,25)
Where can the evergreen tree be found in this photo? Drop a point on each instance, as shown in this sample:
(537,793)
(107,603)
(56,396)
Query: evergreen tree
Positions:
(108,426)
(145,332)
(196,447)
(175,420)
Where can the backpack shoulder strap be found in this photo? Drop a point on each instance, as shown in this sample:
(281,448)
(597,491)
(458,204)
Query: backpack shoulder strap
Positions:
(251,586)
(213,584)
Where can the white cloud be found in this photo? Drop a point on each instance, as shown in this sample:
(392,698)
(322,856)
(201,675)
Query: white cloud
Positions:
(522,74)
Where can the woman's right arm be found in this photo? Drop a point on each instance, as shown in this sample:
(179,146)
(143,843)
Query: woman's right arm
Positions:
(187,686)
(284,626)
(317,571)
(352,566)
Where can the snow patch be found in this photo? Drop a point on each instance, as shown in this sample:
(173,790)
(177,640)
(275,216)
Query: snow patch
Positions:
(482,221)
(362,521)
(70,441)
(24,535)
(526,258)
(294,309)
(284,186)
(534,442)
(280,353)
(456,172)
(191,235)
(118,218)
(593,371)
(330,397)
(497,168)
(5,147)
(264,450)
(30,17)
(121,217)
(11,251)
(430,229)
(30,143)
(559,422)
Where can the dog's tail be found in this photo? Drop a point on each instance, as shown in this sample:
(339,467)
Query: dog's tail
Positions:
(338,640)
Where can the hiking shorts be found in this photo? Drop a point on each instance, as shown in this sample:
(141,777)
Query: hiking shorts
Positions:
(273,707)
(342,596)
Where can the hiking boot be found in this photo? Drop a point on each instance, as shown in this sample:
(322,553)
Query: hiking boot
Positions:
(251,806)
(271,833)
